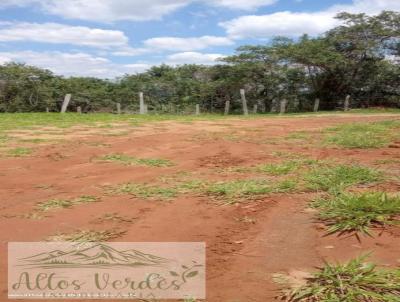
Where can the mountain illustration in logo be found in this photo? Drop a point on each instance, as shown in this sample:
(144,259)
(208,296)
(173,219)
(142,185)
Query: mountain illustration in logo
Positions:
(94,256)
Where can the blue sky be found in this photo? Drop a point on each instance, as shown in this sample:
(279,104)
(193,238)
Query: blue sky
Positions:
(108,38)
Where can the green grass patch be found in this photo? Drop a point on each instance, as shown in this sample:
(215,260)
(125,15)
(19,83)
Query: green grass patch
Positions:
(354,281)
(357,213)
(19,152)
(145,191)
(300,135)
(334,179)
(133,161)
(364,135)
(283,168)
(65,203)
(236,190)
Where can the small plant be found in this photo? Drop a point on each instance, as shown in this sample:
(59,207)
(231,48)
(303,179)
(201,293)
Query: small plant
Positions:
(133,161)
(88,236)
(236,190)
(354,281)
(65,203)
(363,135)
(336,178)
(19,152)
(145,191)
(279,169)
(353,213)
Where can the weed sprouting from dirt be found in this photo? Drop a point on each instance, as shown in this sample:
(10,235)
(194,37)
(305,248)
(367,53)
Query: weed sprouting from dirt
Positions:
(133,161)
(65,203)
(87,236)
(364,135)
(336,178)
(280,168)
(357,213)
(19,152)
(144,191)
(236,190)
(354,281)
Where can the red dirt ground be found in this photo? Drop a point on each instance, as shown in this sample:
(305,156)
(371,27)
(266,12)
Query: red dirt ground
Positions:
(282,236)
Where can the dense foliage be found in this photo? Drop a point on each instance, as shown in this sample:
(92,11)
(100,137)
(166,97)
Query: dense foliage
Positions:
(359,58)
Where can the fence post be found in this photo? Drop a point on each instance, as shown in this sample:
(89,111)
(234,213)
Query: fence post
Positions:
(197,109)
(347,103)
(118,108)
(283,106)
(227,107)
(316,105)
(79,109)
(47,110)
(244,102)
(142,109)
(65,104)
(255,108)
(273,106)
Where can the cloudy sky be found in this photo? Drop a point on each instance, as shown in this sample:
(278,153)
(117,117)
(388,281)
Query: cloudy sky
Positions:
(108,38)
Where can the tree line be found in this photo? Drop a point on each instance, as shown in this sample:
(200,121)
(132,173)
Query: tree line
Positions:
(360,58)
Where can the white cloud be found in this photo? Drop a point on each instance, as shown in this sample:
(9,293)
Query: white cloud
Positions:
(193,58)
(186,44)
(281,23)
(133,10)
(5,3)
(60,33)
(72,64)
(297,23)
(241,4)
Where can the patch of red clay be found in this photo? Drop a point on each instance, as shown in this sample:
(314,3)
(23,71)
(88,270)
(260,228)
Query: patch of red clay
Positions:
(246,243)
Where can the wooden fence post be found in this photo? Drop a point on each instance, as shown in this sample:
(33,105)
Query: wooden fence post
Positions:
(347,103)
(316,105)
(244,102)
(118,108)
(197,109)
(65,104)
(283,106)
(142,109)
(79,109)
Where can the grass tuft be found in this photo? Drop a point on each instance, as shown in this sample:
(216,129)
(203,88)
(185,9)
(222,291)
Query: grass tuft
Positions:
(354,281)
(145,191)
(19,152)
(363,135)
(65,203)
(133,161)
(353,213)
(336,178)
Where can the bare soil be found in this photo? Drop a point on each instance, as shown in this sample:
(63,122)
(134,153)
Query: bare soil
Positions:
(247,243)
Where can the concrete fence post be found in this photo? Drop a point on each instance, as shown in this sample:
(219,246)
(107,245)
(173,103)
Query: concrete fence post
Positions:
(118,108)
(65,104)
(79,109)
(316,105)
(142,109)
(244,102)
(255,108)
(283,106)
(347,103)
(227,107)
(197,109)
